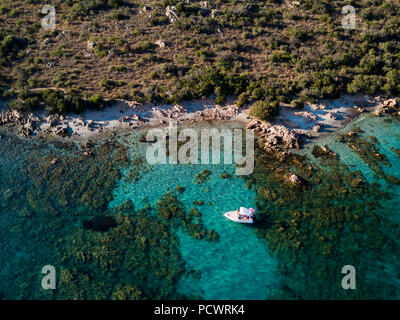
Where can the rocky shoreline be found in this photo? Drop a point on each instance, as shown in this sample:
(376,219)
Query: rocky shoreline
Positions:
(288,131)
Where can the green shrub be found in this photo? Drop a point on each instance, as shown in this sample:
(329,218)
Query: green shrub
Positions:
(137,95)
(297,103)
(323,85)
(158,20)
(281,56)
(368,84)
(143,46)
(242,100)
(25,103)
(220,99)
(117,15)
(118,68)
(10,45)
(4,9)
(154,75)
(264,110)
(370,63)
(106,84)
(54,101)
(96,101)
(183,9)
(79,9)
(300,33)
(392,85)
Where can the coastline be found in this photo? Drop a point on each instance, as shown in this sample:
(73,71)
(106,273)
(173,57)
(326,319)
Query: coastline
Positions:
(63,170)
(290,129)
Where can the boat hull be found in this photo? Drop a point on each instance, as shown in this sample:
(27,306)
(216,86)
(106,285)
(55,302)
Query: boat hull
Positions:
(232,215)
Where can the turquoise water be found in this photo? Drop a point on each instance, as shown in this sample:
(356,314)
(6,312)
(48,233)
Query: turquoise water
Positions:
(386,130)
(44,203)
(238,266)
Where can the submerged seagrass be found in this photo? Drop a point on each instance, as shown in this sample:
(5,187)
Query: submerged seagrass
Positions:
(113,228)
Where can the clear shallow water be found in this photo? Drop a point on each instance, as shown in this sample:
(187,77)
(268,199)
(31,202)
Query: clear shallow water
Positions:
(238,266)
(386,131)
(35,219)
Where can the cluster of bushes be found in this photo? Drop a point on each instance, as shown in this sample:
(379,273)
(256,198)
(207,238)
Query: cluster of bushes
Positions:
(281,56)
(10,45)
(118,15)
(158,20)
(320,85)
(221,80)
(297,103)
(263,89)
(218,80)
(369,84)
(55,101)
(213,66)
(301,34)
(196,83)
(79,8)
(264,110)
(143,46)
(106,84)
(105,46)
(117,68)
(392,85)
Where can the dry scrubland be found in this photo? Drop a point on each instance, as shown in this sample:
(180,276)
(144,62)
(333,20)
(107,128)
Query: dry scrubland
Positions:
(271,51)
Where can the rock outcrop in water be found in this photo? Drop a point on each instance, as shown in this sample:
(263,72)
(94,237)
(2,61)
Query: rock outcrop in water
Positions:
(275,136)
(388,106)
(295,179)
(26,123)
(323,152)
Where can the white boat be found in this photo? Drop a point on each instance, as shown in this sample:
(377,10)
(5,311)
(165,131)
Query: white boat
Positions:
(243,215)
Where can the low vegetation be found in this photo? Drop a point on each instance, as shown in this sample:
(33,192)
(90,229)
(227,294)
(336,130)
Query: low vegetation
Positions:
(264,110)
(254,50)
(55,101)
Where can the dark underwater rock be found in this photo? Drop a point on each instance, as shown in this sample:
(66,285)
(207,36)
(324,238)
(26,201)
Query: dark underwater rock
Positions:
(391,179)
(180,189)
(212,235)
(225,175)
(100,223)
(323,152)
(202,176)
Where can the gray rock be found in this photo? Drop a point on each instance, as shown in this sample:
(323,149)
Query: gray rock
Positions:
(295,179)
(316,129)
(161,44)
(388,106)
(171,14)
